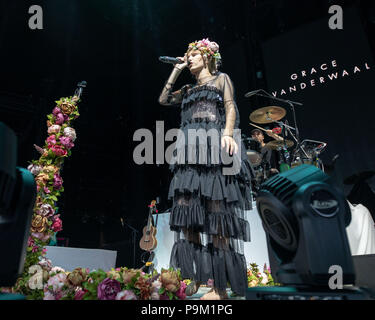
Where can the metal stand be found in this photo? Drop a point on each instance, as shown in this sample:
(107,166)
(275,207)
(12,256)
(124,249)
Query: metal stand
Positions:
(134,236)
(292,104)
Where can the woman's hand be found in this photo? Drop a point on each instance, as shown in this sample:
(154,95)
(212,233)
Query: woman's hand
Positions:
(184,63)
(229,144)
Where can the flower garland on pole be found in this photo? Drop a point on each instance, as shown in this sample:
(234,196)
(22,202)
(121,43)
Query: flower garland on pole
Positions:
(46,170)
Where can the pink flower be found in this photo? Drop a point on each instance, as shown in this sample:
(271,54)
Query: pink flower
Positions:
(56,225)
(45,264)
(66,142)
(57,181)
(205,42)
(51,140)
(46,210)
(54,129)
(48,295)
(46,190)
(30,242)
(126,295)
(59,151)
(108,289)
(57,281)
(60,119)
(41,236)
(56,111)
(181,292)
(80,294)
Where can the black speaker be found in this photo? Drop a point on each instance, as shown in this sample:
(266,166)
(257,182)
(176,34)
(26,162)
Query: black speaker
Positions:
(364,268)
(305,219)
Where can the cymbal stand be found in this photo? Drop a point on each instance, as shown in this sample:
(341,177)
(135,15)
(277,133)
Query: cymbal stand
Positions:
(296,137)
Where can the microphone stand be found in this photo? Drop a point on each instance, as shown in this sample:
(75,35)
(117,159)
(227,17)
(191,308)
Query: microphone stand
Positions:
(134,236)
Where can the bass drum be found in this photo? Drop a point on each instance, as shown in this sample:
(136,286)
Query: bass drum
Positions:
(316,163)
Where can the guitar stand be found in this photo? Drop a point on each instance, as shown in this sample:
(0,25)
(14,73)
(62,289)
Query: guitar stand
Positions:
(149,269)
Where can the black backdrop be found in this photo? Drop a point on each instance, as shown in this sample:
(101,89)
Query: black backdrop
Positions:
(339,112)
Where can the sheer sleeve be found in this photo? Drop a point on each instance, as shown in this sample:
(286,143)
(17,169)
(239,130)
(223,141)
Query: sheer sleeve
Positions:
(232,116)
(169,98)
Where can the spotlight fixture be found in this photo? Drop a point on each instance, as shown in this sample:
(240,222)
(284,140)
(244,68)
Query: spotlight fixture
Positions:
(17,199)
(305,217)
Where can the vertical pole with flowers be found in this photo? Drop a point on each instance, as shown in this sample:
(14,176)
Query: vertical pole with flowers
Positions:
(46,170)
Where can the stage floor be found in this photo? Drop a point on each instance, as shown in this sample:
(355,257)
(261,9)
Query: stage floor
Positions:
(203,290)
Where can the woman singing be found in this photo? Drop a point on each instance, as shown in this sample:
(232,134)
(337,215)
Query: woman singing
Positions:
(208,206)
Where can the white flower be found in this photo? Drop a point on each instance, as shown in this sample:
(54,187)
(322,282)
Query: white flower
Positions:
(56,270)
(36,280)
(156,285)
(214,46)
(54,129)
(34,169)
(45,264)
(70,133)
(264,278)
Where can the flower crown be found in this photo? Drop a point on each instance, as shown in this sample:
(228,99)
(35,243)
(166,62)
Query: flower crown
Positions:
(207,48)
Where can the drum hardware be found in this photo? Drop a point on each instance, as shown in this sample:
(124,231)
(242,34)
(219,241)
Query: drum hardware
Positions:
(254,157)
(279,145)
(292,104)
(306,152)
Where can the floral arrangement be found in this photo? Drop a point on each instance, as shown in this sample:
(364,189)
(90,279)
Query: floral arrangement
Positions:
(255,278)
(207,48)
(54,283)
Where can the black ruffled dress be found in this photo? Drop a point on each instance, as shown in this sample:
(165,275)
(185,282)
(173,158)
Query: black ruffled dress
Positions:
(208,212)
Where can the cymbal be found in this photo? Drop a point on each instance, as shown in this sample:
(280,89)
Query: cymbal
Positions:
(268,115)
(274,145)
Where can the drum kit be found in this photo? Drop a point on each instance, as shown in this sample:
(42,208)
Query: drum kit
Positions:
(291,153)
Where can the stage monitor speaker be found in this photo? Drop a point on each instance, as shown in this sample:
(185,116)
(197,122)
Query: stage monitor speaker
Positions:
(364,267)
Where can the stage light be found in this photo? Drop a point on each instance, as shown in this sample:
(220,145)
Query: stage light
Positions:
(17,199)
(305,218)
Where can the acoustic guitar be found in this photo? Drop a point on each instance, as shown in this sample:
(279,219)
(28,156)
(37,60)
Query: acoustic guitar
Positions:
(148,241)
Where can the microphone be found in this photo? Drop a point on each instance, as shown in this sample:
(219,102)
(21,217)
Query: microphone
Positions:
(79,90)
(170,60)
(252,93)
